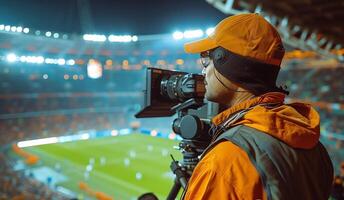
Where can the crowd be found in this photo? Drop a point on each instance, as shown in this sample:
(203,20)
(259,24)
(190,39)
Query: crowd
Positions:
(81,101)
(318,84)
(16,185)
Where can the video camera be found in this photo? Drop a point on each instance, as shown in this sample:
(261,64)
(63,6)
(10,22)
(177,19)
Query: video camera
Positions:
(170,92)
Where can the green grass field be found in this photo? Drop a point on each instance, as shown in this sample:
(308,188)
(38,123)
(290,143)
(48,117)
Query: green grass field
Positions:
(147,155)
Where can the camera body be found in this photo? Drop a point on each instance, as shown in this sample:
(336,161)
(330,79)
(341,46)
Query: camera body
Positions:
(170,92)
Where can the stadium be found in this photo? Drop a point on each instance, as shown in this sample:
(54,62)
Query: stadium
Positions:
(69,94)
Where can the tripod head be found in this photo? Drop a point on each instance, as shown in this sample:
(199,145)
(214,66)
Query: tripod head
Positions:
(194,131)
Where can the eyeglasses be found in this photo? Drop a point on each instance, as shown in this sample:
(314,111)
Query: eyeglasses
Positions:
(206,58)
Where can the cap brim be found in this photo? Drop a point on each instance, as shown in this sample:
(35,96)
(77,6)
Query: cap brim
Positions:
(199,46)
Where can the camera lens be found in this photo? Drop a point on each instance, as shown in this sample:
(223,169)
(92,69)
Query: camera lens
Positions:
(182,87)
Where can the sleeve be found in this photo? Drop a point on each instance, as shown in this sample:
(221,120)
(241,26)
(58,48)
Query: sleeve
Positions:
(225,173)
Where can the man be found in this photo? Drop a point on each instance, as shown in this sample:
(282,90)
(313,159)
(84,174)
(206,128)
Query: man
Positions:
(261,148)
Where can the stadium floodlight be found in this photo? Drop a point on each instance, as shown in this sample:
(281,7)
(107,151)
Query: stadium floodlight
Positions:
(94,37)
(94,69)
(120,38)
(22,58)
(2,27)
(37,32)
(11,57)
(48,33)
(19,29)
(193,33)
(209,31)
(64,36)
(31,59)
(178,35)
(134,38)
(61,61)
(39,59)
(13,28)
(50,61)
(7,28)
(26,30)
(56,35)
(70,62)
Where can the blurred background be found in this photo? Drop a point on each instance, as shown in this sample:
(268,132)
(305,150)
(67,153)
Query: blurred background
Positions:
(72,74)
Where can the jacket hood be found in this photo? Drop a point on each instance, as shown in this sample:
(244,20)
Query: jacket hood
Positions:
(296,124)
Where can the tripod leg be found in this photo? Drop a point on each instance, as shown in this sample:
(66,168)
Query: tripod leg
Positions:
(174,190)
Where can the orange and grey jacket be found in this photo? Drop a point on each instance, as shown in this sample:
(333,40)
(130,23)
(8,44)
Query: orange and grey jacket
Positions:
(269,150)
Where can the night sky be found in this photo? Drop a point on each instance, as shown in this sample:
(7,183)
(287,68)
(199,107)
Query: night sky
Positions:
(115,17)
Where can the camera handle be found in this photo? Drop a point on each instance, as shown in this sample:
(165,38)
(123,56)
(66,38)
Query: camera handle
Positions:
(189,104)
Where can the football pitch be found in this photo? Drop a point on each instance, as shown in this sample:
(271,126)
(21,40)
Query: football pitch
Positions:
(123,167)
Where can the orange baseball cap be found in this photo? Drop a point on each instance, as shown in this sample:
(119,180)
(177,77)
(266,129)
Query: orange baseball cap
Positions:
(248,35)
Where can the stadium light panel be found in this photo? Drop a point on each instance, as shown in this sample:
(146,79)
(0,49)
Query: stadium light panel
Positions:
(40,59)
(48,33)
(61,61)
(193,33)
(120,38)
(22,58)
(26,30)
(13,28)
(94,38)
(19,29)
(94,69)
(178,35)
(50,61)
(11,57)
(209,31)
(32,59)
(70,62)
(56,35)
(7,28)
(2,27)
(134,38)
